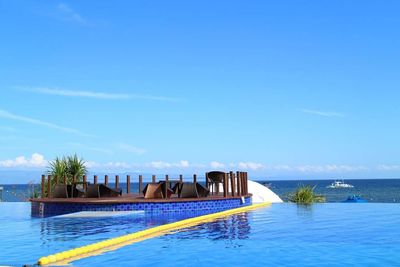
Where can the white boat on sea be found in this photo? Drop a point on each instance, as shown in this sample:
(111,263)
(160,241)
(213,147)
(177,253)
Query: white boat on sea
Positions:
(339,184)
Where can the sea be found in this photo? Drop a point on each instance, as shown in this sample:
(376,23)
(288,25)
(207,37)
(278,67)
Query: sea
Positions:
(373,190)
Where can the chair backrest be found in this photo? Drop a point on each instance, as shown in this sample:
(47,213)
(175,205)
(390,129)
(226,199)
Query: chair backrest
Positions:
(216,176)
(201,190)
(189,190)
(177,187)
(75,191)
(152,191)
(60,191)
(92,191)
(106,191)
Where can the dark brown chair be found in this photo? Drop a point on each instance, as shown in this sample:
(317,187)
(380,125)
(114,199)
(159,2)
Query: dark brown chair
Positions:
(76,191)
(92,191)
(101,190)
(193,190)
(153,190)
(177,188)
(106,191)
(169,190)
(214,179)
(60,191)
(201,190)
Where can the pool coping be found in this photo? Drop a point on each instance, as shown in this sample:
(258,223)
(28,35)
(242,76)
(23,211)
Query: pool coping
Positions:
(131,198)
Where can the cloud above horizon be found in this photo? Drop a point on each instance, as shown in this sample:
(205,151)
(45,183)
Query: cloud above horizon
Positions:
(11,116)
(36,161)
(384,167)
(95,95)
(323,113)
(217,165)
(250,166)
(330,168)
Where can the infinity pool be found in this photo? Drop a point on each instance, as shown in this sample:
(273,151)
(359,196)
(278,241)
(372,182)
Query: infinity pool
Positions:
(333,234)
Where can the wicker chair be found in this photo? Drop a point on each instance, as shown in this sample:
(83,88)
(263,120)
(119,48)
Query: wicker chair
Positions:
(214,179)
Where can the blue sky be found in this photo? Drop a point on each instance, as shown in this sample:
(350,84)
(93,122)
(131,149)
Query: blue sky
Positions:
(303,89)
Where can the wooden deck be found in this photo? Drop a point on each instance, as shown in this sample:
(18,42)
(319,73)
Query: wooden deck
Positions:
(130,198)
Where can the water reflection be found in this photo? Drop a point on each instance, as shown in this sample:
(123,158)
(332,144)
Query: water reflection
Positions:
(305,211)
(234,227)
(73,228)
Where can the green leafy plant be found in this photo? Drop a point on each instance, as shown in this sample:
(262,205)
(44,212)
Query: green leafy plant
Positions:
(67,167)
(76,166)
(305,195)
(59,168)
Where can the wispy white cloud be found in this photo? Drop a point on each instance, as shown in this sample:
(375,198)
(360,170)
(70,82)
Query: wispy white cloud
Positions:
(131,149)
(254,166)
(72,93)
(167,165)
(38,161)
(385,167)
(217,165)
(96,95)
(67,13)
(323,113)
(11,116)
(153,165)
(249,166)
(329,168)
(280,167)
(35,161)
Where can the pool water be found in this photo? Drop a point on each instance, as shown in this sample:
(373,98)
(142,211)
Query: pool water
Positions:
(332,234)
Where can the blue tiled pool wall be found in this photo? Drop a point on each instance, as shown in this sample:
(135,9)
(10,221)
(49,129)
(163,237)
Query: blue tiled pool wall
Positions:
(50,209)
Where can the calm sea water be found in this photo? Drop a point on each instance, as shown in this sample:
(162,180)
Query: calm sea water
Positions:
(374,190)
(330,234)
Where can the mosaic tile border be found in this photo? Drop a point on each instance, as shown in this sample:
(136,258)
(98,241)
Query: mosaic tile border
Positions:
(40,209)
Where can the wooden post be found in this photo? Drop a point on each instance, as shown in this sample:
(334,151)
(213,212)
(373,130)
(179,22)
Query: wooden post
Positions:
(153,179)
(232,176)
(116,181)
(128,184)
(226,185)
(243,183)
(95,179)
(49,186)
(166,186)
(180,178)
(65,179)
(106,180)
(43,186)
(140,184)
(247,183)
(194,178)
(84,182)
(239,188)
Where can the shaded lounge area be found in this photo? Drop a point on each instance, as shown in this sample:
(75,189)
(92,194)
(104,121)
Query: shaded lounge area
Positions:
(216,184)
(215,191)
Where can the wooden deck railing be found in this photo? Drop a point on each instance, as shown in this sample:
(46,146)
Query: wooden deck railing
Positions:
(234,184)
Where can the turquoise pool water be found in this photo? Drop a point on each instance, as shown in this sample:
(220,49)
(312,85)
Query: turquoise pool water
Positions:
(332,234)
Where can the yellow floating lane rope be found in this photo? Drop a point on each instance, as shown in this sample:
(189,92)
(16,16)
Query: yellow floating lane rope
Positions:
(68,256)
